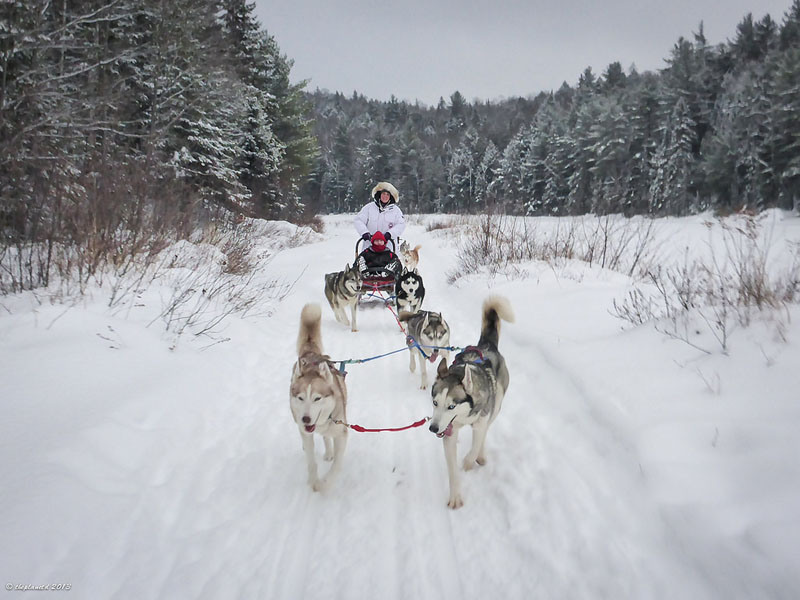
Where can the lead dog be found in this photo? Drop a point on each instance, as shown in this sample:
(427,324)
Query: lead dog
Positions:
(318,399)
(342,290)
(427,329)
(470,392)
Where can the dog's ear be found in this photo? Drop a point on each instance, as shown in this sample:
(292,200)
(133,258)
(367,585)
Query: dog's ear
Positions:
(325,370)
(441,370)
(296,371)
(467,381)
(425,322)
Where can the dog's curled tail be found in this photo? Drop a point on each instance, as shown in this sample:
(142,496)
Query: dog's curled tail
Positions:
(494,309)
(310,337)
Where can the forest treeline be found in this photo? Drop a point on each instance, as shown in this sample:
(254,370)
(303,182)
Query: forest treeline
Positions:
(134,115)
(117,112)
(717,128)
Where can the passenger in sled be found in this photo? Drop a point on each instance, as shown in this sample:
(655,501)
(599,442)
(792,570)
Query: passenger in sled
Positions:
(378,262)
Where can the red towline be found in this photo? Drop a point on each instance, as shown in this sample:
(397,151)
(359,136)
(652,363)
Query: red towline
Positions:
(361,429)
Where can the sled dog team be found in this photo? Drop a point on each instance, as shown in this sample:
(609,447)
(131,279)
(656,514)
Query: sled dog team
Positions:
(469,391)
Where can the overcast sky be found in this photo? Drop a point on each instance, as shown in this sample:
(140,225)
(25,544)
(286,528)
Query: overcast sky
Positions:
(486,49)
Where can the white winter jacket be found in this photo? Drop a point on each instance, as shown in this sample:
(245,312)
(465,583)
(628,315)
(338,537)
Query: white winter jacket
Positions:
(371,219)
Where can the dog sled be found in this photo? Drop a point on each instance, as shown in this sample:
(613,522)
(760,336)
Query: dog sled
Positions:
(377,284)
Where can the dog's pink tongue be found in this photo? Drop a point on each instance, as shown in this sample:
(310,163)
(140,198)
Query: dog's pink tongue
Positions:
(449,429)
(310,428)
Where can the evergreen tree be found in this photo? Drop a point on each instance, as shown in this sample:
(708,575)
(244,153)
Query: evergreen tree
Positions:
(670,190)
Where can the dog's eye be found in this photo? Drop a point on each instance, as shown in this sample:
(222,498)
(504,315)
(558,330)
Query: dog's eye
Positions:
(435,403)
(451,407)
(317,398)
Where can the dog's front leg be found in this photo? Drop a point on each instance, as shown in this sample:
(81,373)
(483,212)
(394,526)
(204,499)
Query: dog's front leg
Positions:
(328,448)
(450,446)
(311,461)
(423,368)
(353,311)
(479,429)
(339,444)
(412,363)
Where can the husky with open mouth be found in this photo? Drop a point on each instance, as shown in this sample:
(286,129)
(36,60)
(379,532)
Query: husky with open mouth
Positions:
(470,392)
(318,399)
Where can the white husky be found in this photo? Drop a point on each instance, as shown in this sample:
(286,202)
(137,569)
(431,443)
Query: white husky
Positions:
(318,399)
(470,392)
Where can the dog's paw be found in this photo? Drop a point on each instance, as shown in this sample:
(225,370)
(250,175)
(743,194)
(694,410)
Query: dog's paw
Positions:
(423,385)
(328,456)
(481,460)
(469,463)
(455,501)
(320,485)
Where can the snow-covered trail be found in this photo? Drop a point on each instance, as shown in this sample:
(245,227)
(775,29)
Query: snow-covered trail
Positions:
(163,474)
(548,494)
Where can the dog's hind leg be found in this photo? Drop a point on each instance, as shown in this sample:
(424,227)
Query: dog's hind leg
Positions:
(476,453)
(450,446)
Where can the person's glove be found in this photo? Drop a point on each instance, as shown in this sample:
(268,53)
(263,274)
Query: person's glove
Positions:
(388,235)
(365,237)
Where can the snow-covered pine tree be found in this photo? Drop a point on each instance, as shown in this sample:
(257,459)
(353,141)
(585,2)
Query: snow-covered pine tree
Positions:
(670,190)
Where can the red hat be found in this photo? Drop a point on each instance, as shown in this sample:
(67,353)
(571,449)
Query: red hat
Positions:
(378,241)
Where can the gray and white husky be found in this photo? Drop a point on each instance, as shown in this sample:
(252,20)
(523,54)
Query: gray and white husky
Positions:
(342,289)
(318,399)
(470,392)
(428,329)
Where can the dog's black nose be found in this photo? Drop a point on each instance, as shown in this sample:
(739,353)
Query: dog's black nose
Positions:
(433,429)
(306,419)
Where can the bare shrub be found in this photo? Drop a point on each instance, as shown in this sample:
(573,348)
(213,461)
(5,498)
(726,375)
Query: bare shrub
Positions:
(497,242)
(721,291)
(449,222)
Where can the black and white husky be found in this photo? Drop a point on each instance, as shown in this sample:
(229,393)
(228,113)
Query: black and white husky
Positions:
(342,289)
(409,292)
(470,392)
(427,329)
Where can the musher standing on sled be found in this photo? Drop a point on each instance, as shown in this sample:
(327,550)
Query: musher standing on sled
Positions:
(382,214)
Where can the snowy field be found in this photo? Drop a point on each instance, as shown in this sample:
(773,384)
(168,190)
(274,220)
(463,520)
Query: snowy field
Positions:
(624,464)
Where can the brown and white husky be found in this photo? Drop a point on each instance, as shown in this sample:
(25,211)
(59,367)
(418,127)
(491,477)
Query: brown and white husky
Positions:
(318,399)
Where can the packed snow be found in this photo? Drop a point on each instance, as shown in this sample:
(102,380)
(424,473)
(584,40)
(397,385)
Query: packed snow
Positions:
(624,464)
